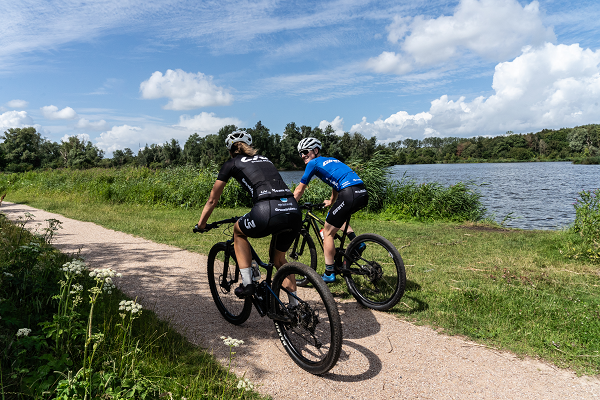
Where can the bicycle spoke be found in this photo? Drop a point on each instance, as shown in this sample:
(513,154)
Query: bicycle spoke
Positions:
(233,309)
(377,277)
(313,335)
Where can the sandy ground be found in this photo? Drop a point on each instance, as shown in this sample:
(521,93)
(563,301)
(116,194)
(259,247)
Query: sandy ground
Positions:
(382,357)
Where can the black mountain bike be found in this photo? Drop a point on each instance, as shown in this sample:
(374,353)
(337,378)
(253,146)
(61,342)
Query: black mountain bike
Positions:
(311,332)
(371,265)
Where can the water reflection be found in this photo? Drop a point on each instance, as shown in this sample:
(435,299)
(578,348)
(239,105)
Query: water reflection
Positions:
(532,195)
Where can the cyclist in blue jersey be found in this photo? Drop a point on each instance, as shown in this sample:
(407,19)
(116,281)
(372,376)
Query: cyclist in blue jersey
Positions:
(274,207)
(348,195)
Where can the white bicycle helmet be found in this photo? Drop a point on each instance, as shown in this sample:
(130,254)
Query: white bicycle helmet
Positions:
(309,143)
(238,136)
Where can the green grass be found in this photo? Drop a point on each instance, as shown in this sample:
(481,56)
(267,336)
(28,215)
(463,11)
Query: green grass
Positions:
(47,362)
(506,289)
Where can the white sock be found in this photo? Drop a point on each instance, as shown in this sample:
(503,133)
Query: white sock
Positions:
(292,300)
(246,276)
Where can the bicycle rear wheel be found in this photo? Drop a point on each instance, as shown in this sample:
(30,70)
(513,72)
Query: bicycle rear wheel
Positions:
(377,278)
(303,250)
(223,277)
(313,335)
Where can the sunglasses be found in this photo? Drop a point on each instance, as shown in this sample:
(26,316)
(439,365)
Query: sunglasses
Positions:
(303,153)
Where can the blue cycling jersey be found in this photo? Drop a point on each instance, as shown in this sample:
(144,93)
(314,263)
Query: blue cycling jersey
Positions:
(331,171)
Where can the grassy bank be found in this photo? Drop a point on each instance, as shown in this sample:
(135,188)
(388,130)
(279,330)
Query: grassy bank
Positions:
(67,334)
(505,289)
(188,188)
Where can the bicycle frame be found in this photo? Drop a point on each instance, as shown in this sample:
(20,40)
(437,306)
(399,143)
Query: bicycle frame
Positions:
(313,221)
(264,299)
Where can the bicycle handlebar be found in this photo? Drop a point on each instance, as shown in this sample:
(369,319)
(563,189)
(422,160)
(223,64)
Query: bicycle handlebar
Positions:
(214,225)
(311,206)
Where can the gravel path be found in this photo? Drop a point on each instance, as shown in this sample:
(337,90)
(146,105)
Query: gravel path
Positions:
(383,357)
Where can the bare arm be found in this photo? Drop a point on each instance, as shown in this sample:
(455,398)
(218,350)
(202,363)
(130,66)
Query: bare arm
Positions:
(334,194)
(211,203)
(299,191)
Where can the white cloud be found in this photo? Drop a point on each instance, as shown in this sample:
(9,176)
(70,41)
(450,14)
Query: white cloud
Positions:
(119,137)
(390,63)
(186,91)
(86,124)
(337,124)
(206,123)
(17,103)
(135,137)
(395,127)
(494,29)
(52,112)
(548,87)
(81,136)
(14,119)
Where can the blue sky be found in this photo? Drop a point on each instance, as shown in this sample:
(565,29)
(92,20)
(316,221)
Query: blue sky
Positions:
(127,73)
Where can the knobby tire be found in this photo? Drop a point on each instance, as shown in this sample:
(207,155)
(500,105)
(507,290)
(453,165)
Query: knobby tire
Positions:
(381,280)
(233,309)
(316,321)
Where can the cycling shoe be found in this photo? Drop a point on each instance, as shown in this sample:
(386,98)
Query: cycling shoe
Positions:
(329,278)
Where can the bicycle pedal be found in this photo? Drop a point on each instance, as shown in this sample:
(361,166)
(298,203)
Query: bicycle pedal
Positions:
(280,317)
(244,291)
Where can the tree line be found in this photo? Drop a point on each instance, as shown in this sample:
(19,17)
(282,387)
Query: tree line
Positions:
(24,149)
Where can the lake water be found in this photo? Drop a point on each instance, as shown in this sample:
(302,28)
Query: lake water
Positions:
(540,195)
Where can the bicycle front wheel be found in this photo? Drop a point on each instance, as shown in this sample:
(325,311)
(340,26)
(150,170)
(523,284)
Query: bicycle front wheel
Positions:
(223,277)
(312,335)
(376,276)
(303,250)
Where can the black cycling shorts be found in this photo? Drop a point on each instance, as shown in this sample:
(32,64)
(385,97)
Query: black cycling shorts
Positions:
(271,216)
(349,201)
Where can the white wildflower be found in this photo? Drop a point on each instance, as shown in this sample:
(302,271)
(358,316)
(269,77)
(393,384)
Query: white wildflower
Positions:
(245,384)
(76,288)
(8,274)
(74,267)
(105,276)
(231,342)
(130,305)
(23,332)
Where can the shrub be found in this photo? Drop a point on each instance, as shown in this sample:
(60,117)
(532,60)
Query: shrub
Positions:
(407,200)
(586,226)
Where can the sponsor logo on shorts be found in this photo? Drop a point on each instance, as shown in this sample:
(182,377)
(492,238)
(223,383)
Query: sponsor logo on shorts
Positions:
(286,209)
(249,224)
(338,208)
(263,193)
(284,199)
(280,190)
(361,191)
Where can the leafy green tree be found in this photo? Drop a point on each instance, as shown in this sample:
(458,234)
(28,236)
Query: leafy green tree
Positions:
(122,157)
(80,153)
(51,155)
(22,149)
(2,160)
(289,158)
(170,153)
(207,150)
(266,144)
(149,156)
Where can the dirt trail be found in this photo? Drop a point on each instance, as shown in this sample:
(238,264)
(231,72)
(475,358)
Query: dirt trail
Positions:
(382,357)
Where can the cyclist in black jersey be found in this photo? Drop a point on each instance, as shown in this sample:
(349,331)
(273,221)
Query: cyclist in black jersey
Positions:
(274,207)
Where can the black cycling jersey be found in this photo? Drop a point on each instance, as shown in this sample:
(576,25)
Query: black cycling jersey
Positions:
(257,175)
